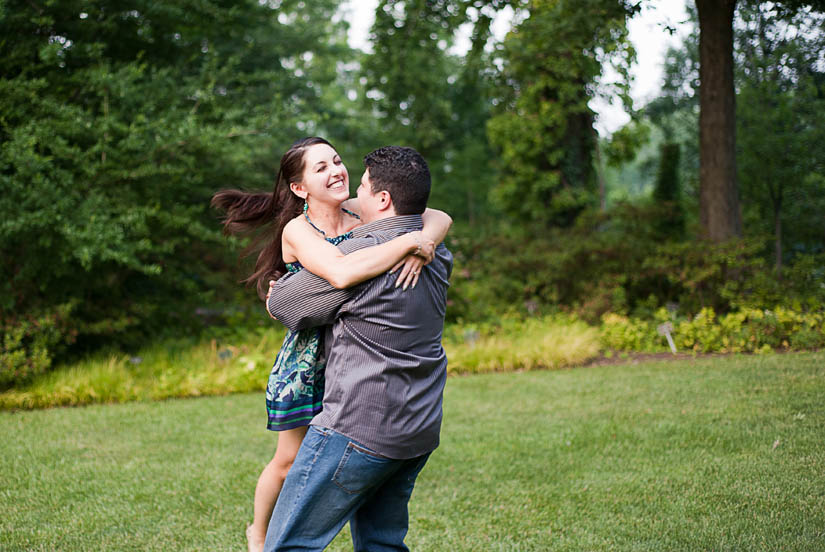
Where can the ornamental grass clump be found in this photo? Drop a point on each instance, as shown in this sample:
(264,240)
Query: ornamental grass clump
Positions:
(548,343)
(158,372)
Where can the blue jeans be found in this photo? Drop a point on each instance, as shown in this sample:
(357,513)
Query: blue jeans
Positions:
(334,480)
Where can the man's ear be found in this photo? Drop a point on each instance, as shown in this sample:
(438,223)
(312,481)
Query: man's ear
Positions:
(384,200)
(298,189)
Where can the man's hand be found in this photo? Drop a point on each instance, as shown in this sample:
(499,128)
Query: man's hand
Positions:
(266,301)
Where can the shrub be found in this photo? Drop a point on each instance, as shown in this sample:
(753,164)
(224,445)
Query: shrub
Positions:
(29,344)
(746,330)
(616,262)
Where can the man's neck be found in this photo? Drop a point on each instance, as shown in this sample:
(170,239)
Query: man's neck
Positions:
(381,216)
(400,223)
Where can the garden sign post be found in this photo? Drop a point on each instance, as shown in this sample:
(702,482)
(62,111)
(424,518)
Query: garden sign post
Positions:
(665,330)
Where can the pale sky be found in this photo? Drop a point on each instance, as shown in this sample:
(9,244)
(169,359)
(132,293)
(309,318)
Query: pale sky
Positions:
(646,32)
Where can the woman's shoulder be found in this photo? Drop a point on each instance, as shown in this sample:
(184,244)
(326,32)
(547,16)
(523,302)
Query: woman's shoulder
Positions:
(353,220)
(352,213)
(295,227)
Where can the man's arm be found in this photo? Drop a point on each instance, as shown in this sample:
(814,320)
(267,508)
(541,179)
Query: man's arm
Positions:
(304,300)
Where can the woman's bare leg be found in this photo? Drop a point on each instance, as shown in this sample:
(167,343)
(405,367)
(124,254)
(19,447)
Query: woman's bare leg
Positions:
(269,484)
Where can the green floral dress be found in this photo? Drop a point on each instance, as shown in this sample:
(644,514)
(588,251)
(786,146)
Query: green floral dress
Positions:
(295,390)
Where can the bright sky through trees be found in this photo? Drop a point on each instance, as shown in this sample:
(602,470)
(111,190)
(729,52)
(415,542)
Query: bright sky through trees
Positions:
(647,31)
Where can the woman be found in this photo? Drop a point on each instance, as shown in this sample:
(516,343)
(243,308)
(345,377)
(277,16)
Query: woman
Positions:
(306,216)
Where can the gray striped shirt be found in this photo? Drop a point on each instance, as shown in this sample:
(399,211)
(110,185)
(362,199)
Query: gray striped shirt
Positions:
(386,367)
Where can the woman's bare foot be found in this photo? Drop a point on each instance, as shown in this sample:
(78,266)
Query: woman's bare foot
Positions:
(254,543)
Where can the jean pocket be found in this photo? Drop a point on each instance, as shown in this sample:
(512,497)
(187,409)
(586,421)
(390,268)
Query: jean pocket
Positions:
(360,469)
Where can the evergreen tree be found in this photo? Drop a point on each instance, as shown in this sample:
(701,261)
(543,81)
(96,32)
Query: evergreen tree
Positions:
(543,127)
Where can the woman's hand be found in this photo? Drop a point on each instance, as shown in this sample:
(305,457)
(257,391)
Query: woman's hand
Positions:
(410,266)
(427,251)
(425,247)
(266,301)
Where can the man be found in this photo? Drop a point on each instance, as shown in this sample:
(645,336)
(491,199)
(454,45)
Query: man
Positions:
(385,377)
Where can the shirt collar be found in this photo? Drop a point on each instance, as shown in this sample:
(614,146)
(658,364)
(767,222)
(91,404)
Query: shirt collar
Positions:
(400,222)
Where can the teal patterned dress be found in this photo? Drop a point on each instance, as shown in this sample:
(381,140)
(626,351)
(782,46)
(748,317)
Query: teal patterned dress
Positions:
(295,390)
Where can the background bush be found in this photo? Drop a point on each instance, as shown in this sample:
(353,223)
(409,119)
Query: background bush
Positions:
(746,330)
(616,261)
(30,344)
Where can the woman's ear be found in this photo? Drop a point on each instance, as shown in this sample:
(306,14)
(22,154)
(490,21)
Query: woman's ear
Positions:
(298,189)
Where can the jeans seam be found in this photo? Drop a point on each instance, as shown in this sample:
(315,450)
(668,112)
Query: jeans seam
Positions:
(305,474)
(341,465)
(366,451)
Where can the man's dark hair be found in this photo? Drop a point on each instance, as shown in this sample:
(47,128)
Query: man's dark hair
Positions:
(403,173)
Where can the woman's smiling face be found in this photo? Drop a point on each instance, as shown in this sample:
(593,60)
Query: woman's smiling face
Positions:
(325,177)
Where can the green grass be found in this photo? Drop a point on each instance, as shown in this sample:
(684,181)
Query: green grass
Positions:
(169,370)
(703,454)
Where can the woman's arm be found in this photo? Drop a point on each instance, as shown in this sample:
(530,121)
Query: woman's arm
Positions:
(436,224)
(324,259)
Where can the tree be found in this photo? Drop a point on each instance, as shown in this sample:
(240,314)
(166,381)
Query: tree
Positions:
(543,127)
(719,210)
(719,202)
(780,104)
(434,100)
(117,123)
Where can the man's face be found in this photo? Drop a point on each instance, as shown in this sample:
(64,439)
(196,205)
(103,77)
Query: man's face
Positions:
(368,202)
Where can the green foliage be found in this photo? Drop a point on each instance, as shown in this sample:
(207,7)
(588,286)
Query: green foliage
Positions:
(780,101)
(117,124)
(239,362)
(746,330)
(184,368)
(779,109)
(736,274)
(543,128)
(667,180)
(29,345)
(520,344)
(438,102)
(599,265)
(625,143)
(668,191)
(618,262)
(675,113)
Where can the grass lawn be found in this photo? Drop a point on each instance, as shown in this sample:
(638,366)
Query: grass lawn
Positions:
(705,454)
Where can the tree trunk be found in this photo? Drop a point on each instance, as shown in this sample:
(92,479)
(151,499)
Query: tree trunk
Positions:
(600,172)
(777,225)
(719,209)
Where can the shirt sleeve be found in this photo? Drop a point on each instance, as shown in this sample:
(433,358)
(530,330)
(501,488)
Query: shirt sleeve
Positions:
(303,300)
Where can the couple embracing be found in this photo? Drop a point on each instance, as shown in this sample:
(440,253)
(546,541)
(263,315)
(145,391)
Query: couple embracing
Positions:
(357,386)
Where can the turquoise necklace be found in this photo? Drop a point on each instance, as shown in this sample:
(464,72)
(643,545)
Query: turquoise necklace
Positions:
(347,211)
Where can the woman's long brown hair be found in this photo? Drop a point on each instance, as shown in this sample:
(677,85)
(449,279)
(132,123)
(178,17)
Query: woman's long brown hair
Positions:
(264,215)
